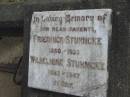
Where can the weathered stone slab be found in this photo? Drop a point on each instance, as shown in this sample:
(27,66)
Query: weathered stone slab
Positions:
(69,50)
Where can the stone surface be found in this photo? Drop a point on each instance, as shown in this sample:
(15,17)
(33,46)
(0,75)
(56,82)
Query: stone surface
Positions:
(59,59)
(7,87)
(11,49)
(119,56)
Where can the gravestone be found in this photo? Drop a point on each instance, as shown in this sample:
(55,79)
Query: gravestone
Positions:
(118,61)
(68,51)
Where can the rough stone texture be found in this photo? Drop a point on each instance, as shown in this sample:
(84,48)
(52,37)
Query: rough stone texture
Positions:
(7,87)
(11,49)
(12,12)
(119,56)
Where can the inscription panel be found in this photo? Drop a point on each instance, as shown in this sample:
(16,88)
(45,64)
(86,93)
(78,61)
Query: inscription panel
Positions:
(69,50)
